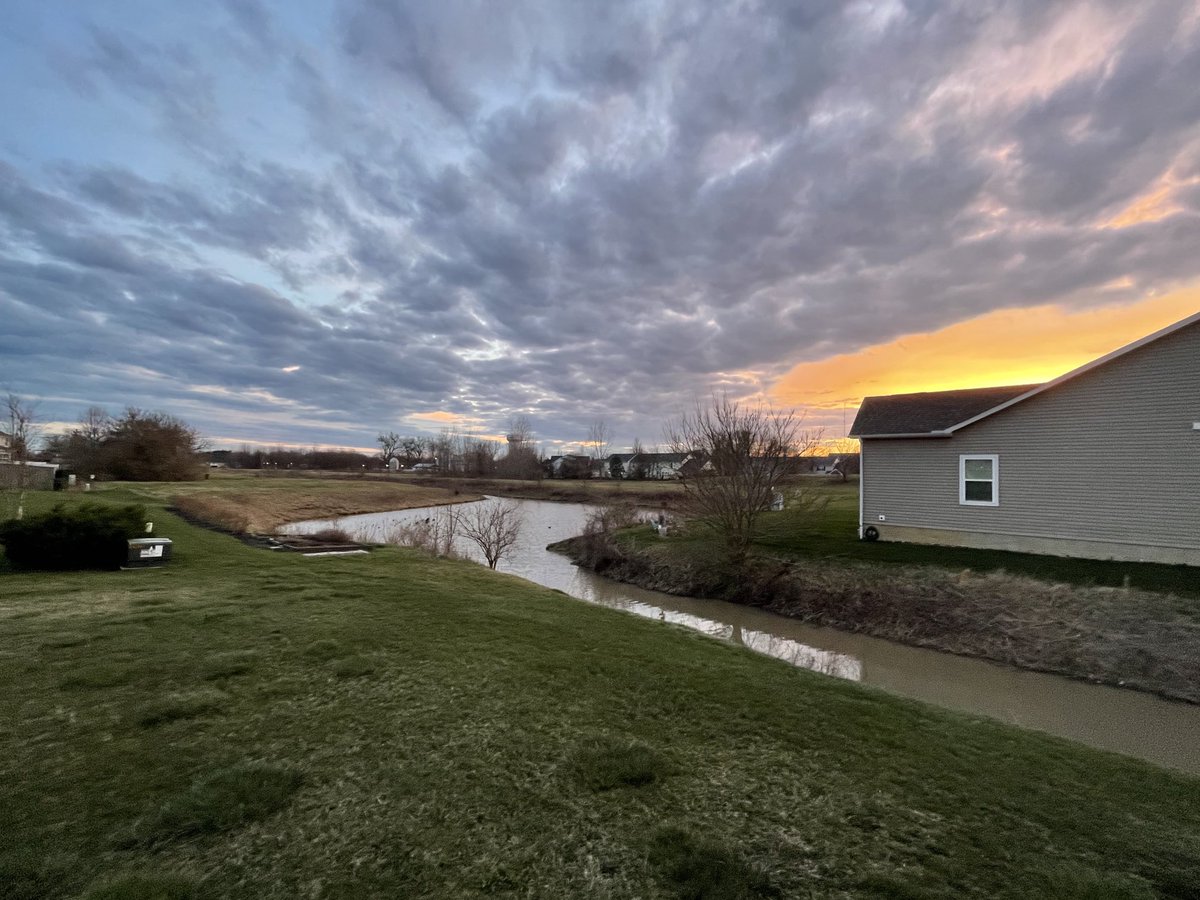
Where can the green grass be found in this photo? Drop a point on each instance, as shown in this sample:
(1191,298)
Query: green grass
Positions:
(474,761)
(351,667)
(832,533)
(699,869)
(606,763)
(182,705)
(145,887)
(217,801)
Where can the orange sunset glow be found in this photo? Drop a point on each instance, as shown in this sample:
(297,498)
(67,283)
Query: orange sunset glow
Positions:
(1013,346)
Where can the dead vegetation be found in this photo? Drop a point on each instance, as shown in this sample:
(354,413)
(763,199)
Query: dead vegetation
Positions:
(245,507)
(1117,636)
(433,535)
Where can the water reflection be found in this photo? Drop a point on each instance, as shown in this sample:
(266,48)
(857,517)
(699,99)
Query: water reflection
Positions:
(1124,721)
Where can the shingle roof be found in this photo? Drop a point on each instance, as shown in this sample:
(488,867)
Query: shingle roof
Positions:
(927,413)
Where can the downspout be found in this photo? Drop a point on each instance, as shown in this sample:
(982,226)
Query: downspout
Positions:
(862,484)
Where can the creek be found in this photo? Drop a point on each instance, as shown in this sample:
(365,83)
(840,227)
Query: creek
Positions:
(1124,721)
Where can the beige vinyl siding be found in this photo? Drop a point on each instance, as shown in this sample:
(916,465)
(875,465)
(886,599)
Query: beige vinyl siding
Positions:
(1111,455)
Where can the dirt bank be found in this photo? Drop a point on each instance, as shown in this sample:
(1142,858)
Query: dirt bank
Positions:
(1128,638)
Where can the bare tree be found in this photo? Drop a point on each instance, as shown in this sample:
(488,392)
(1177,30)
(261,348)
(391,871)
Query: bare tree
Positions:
(23,431)
(742,453)
(94,423)
(521,460)
(599,439)
(492,525)
(637,463)
(389,444)
(479,456)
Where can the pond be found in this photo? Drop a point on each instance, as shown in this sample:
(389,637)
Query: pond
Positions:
(1136,724)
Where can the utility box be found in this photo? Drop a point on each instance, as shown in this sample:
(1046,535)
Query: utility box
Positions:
(147,553)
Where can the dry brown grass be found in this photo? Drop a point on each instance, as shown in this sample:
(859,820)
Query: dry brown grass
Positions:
(1125,637)
(1118,636)
(249,506)
(595,490)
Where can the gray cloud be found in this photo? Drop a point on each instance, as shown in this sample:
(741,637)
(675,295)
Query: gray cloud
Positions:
(594,209)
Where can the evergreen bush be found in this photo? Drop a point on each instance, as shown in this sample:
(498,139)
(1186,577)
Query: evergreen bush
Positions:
(88,536)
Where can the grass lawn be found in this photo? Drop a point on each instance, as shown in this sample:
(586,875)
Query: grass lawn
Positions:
(832,533)
(257,725)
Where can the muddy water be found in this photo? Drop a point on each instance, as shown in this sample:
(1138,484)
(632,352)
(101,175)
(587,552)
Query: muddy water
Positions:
(1127,722)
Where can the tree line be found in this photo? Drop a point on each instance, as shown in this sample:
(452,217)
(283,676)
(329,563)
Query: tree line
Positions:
(452,453)
(137,445)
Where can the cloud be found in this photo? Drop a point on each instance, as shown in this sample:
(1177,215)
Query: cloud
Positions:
(384,213)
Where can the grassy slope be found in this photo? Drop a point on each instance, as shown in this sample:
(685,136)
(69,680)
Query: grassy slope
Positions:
(446,725)
(832,533)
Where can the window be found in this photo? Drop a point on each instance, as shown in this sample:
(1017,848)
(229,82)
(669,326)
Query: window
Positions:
(979,480)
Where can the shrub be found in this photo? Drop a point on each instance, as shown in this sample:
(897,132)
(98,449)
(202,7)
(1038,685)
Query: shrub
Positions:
(88,536)
(434,535)
(333,534)
(597,546)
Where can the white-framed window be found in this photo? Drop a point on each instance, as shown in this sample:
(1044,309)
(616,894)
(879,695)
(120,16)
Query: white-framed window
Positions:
(979,479)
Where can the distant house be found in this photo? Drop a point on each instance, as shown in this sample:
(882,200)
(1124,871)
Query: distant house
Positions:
(820,465)
(570,466)
(649,466)
(617,465)
(219,459)
(5,447)
(1103,462)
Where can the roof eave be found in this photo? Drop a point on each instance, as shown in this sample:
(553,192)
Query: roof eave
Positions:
(910,434)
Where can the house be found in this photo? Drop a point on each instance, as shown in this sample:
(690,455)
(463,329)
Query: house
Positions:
(5,447)
(1047,468)
(570,466)
(649,466)
(828,464)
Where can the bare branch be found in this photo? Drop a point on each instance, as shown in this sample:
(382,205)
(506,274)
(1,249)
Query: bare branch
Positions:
(738,454)
(492,525)
(599,439)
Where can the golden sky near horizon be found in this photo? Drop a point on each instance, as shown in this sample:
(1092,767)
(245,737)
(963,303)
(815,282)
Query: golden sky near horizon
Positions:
(1011,346)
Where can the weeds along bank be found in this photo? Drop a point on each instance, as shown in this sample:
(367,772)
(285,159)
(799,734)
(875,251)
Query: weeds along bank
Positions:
(243,724)
(1123,637)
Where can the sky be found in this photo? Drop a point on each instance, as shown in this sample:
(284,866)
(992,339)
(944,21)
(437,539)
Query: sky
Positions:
(305,223)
